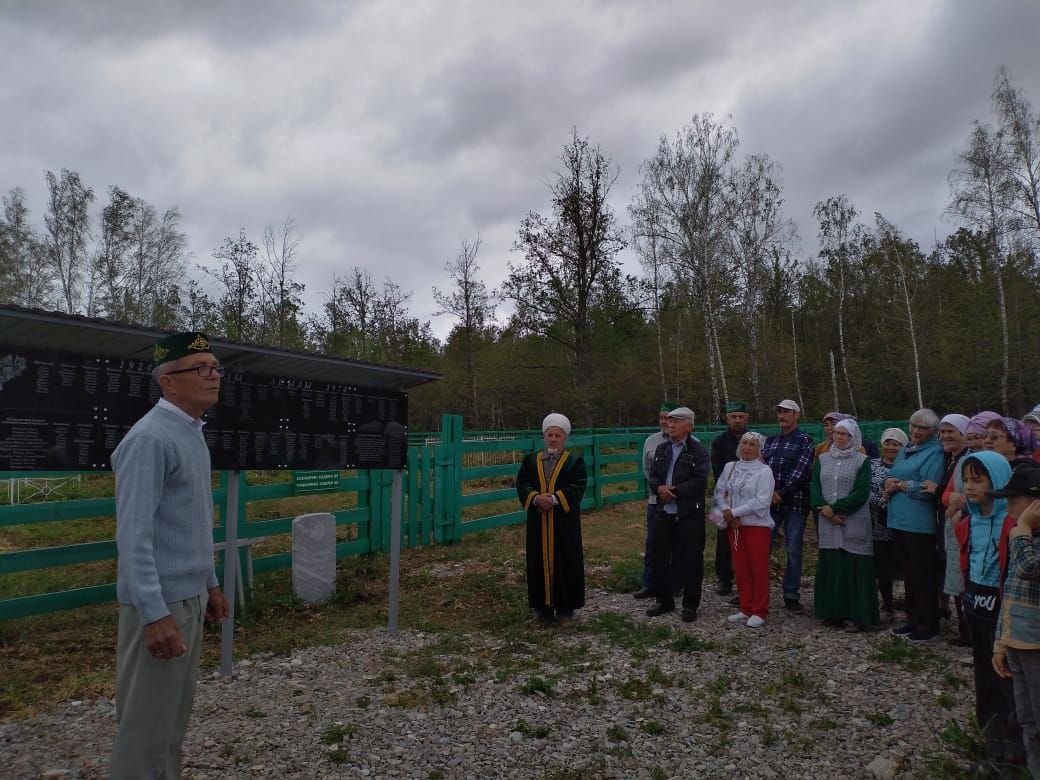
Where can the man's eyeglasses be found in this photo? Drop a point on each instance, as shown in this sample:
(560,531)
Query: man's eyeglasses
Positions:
(203,371)
(915,427)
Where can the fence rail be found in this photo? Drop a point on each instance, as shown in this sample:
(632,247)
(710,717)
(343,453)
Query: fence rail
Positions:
(454,485)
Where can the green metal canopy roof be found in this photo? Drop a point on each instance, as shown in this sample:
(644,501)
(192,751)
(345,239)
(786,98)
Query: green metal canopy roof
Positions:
(87,335)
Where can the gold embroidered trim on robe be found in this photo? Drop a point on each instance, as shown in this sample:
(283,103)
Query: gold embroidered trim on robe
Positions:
(548,522)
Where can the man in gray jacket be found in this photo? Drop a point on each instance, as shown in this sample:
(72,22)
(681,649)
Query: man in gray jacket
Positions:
(653,441)
(166,583)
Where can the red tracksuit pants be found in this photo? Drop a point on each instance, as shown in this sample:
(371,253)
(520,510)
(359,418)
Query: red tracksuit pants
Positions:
(750,547)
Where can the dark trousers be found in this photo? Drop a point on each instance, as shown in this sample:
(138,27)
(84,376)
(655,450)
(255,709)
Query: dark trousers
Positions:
(884,571)
(915,554)
(994,695)
(723,560)
(679,539)
(648,556)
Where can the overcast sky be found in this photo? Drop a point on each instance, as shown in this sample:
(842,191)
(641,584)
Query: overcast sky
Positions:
(390,130)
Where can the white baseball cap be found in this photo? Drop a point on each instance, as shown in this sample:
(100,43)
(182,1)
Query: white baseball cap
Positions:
(787,403)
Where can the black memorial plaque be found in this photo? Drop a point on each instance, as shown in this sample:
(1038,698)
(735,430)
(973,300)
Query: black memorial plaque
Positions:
(63,411)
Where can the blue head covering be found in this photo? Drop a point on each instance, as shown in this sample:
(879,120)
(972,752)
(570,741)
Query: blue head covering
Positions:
(984,532)
(999,473)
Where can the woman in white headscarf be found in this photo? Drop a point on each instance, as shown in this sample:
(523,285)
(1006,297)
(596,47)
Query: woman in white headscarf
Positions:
(740,505)
(550,486)
(844,592)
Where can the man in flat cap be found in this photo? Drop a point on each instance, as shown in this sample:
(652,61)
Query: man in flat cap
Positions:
(790,456)
(679,477)
(166,583)
(723,451)
(653,441)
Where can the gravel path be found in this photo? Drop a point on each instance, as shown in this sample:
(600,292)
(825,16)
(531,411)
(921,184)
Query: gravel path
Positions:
(618,695)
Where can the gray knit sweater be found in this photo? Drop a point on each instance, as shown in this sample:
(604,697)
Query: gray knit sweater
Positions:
(164,514)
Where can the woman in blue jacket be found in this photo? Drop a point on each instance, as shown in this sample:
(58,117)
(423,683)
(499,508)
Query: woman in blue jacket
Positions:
(911,489)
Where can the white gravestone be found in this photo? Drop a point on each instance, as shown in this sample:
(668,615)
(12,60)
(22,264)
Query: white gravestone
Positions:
(314,556)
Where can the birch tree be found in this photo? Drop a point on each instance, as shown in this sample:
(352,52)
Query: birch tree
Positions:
(647,243)
(1019,130)
(237,278)
(280,293)
(68,234)
(981,194)
(759,232)
(903,262)
(838,234)
(686,182)
(26,277)
(470,303)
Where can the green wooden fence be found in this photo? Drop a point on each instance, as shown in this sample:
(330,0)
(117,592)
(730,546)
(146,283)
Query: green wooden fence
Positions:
(450,490)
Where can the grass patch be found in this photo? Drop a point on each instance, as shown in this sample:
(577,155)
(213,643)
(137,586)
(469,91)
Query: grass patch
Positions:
(963,745)
(634,688)
(652,727)
(904,654)
(880,719)
(539,686)
(337,732)
(690,643)
(535,732)
(617,734)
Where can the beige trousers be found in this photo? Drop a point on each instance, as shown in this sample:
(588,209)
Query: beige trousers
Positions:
(153,696)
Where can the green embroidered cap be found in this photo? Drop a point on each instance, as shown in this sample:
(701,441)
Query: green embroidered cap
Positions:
(179,345)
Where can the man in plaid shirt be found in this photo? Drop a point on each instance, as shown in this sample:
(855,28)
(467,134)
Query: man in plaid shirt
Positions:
(790,456)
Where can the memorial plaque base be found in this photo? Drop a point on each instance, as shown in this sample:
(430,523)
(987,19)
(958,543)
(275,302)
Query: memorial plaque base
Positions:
(314,557)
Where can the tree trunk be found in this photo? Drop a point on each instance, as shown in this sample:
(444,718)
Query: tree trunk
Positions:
(710,346)
(794,344)
(834,379)
(1002,301)
(913,335)
(844,355)
(717,411)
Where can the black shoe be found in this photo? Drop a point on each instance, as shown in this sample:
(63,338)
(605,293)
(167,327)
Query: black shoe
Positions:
(923,636)
(723,590)
(735,601)
(660,609)
(833,622)
(903,631)
(794,606)
(643,593)
(676,592)
(689,615)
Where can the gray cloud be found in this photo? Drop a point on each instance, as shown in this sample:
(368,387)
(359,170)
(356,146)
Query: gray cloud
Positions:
(390,130)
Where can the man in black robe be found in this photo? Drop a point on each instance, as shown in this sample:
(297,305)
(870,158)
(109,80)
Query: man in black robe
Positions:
(550,486)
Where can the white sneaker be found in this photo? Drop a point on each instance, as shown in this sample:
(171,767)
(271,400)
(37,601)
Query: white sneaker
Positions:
(755,622)
(736,618)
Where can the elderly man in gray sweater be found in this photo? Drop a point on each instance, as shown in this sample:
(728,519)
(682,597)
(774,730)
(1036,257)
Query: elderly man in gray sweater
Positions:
(166,582)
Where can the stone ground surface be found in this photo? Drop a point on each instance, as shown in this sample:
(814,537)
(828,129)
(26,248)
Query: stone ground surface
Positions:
(618,695)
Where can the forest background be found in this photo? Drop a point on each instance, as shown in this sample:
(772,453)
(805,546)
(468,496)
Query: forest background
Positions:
(726,307)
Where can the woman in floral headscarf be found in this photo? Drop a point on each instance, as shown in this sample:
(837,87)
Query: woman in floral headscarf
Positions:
(844,592)
(1014,440)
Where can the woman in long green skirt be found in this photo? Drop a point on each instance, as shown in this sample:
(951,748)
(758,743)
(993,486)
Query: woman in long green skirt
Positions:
(844,593)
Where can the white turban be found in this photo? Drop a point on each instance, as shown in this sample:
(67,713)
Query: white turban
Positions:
(557,420)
